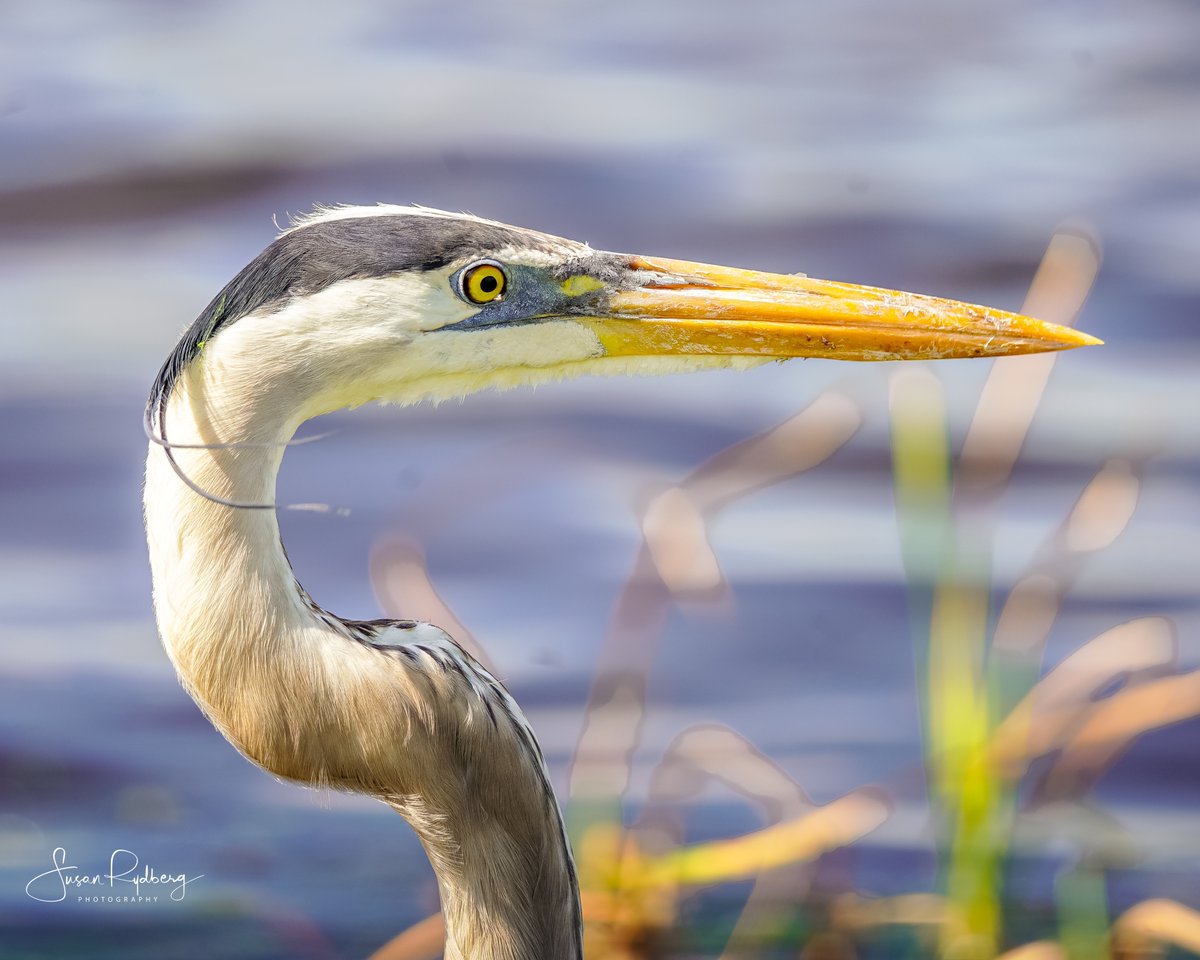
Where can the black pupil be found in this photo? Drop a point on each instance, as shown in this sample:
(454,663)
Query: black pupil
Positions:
(488,284)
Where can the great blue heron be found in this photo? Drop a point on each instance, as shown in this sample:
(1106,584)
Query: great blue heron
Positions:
(399,304)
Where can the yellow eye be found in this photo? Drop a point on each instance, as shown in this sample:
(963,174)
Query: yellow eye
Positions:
(484,282)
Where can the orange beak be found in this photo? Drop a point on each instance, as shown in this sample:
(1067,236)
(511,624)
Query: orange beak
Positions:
(678,307)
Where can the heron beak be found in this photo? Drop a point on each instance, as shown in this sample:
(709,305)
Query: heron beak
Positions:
(678,307)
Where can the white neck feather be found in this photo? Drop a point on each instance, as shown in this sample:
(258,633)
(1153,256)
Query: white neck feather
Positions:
(404,716)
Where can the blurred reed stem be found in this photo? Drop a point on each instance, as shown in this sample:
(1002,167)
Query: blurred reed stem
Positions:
(949,573)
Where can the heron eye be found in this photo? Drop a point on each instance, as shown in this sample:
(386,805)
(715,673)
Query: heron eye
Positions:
(483,282)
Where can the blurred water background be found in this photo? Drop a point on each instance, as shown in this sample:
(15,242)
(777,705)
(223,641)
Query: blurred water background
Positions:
(934,146)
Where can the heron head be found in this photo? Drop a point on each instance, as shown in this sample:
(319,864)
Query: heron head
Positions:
(395,303)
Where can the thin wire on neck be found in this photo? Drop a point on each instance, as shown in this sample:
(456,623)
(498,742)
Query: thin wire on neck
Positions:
(170,447)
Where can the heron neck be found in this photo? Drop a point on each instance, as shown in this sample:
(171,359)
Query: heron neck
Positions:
(397,717)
